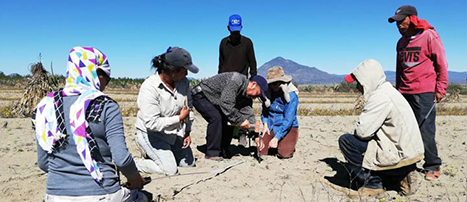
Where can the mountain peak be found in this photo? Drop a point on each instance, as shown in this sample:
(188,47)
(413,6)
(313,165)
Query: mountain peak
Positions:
(301,74)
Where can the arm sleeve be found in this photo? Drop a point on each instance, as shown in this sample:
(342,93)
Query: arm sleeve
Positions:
(373,116)
(398,68)
(221,58)
(150,109)
(252,60)
(289,115)
(191,116)
(42,158)
(438,56)
(247,114)
(228,100)
(264,114)
(115,138)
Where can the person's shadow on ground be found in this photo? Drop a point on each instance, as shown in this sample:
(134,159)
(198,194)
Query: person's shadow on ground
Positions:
(342,177)
(234,150)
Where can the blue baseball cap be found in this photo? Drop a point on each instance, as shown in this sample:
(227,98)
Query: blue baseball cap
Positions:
(235,22)
(263,85)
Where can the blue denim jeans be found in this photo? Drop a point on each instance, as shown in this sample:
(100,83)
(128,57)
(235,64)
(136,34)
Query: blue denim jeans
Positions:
(421,104)
(353,149)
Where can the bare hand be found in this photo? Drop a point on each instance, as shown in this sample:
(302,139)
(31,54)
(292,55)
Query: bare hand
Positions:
(245,124)
(273,143)
(438,97)
(136,183)
(260,146)
(184,113)
(186,142)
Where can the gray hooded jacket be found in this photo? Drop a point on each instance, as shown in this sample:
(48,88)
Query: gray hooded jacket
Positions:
(387,121)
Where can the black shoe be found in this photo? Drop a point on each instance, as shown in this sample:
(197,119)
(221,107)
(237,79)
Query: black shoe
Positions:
(226,154)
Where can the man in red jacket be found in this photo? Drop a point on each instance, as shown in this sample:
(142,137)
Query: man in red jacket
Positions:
(421,77)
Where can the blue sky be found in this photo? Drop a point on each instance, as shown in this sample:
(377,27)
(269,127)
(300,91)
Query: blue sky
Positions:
(333,36)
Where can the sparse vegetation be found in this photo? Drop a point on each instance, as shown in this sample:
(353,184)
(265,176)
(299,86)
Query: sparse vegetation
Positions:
(310,96)
(454,87)
(38,86)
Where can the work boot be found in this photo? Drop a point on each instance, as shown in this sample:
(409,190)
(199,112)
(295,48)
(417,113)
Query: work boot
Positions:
(409,184)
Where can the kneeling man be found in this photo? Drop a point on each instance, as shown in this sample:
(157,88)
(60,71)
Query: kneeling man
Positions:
(386,140)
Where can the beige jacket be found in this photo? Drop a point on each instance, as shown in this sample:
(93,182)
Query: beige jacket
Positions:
(387,121)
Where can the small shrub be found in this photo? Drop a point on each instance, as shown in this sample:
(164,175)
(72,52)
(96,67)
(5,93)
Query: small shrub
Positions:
(6,111)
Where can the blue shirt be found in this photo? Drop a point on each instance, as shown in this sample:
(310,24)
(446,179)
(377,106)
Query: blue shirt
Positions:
(281,116)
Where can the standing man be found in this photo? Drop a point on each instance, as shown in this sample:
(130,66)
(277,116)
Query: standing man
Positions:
(236,54)
(224,98)
(421,77)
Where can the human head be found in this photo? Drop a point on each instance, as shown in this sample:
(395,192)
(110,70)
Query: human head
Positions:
(257,87)
(235,23)
(174,61)
(276,77)
(369,74)
(87,68)
(351,78)
(402,17)
(403,12)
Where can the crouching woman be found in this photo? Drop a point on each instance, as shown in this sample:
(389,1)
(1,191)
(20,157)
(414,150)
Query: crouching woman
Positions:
(279,116)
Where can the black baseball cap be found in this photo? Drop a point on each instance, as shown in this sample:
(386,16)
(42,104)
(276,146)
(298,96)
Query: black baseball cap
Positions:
(179,57)
(403,12)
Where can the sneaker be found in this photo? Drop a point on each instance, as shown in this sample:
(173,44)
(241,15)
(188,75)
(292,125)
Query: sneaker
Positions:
(364,192)
(409,184)
(432,175)
(214,158)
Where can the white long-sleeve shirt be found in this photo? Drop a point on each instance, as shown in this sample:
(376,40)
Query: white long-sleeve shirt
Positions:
(159,108)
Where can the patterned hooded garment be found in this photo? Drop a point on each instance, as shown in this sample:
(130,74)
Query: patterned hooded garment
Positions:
(82,80)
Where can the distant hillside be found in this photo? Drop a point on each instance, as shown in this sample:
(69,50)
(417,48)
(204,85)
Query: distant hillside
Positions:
(300,74)
(454,77)
(305,75)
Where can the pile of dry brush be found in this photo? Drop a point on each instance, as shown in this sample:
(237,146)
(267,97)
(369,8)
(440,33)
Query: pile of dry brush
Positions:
(37,88)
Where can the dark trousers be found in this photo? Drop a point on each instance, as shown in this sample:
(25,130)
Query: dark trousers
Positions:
(285,147)
(353,149)
(421,104)
(218,133)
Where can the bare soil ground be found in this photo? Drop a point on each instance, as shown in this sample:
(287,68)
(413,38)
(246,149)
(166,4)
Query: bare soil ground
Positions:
(315,173)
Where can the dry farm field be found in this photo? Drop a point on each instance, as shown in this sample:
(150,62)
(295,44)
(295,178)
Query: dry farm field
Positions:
(315,173)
